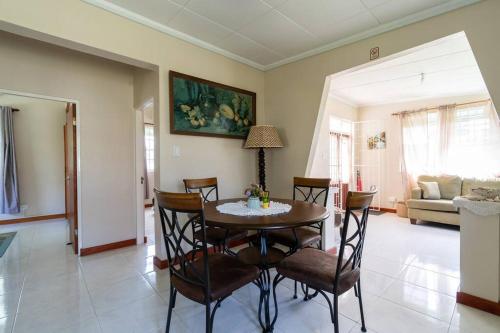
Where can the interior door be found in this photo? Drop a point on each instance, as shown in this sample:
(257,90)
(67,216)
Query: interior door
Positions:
(140,174)
(71,174)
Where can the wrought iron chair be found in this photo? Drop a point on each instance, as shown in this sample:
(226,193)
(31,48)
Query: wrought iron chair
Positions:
(313,190)
(217,237)
(327,273)
(194,273)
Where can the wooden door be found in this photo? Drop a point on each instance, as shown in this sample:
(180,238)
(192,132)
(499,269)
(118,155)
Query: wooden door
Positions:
(71,174)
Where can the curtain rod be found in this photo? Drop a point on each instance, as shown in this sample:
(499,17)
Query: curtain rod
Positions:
(438,107)
(15,110)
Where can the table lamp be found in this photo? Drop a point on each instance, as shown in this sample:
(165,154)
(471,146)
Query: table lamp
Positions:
(263,136)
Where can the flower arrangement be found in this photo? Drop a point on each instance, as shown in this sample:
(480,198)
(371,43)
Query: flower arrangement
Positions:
(255,191)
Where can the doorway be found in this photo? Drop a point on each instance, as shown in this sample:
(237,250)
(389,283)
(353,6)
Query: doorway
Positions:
(45,150)
(145,172)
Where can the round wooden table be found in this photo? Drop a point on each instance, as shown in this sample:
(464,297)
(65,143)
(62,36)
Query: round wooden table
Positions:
(301,214)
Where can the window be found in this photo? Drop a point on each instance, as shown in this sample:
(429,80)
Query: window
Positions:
(462,141)
(149,143)
(340,150)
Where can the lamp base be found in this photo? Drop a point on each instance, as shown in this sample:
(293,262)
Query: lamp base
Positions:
(262,169)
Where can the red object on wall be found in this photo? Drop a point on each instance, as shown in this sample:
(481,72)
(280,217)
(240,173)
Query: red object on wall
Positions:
(359,184)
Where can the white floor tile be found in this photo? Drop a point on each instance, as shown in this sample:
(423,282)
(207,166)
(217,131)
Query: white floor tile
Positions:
(409,280)
(6,324)
(388,317)
(383,266)
(469,320)
(431,280)
(420,299)
(109,297)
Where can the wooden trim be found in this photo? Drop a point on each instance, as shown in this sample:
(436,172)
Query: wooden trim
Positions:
(162,264)
(33,219)
(148,205)
(107,247)
(478,303)
(173,74)
(383,209)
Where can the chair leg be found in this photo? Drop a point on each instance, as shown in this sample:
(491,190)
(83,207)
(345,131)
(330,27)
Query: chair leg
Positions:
(171,305)
(208,319)
(295,290)
(336,312)
(363,327)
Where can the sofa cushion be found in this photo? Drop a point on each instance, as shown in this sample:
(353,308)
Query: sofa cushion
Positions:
(430,190)
(438,205)
(449,186)
(470,183)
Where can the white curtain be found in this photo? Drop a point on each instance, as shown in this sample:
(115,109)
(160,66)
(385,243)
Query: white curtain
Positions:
(454,140)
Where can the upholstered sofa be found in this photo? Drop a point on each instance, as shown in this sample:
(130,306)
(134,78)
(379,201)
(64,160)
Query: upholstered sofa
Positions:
(442,210)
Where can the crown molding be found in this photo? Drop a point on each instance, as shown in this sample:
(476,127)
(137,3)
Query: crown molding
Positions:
(110,7)
(420,16)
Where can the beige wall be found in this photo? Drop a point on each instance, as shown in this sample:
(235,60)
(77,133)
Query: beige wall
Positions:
(76,24)
(321,151)
(104,91)
(293,91)
(38,137)
(390,175)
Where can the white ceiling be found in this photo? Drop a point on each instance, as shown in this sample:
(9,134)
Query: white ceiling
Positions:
(269,33)
(448,65)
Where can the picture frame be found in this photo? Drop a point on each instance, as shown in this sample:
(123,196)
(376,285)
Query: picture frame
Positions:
(201,107)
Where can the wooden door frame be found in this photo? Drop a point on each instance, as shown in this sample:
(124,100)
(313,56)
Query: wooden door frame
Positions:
(78,151)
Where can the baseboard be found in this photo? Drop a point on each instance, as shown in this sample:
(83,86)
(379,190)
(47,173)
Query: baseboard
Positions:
(33,219)
(383,209)
(478,303)
(162,264)
(107,247)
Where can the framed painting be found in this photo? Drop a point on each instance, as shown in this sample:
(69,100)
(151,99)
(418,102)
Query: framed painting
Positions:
(206,108)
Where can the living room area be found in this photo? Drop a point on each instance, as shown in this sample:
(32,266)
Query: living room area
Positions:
(421,128)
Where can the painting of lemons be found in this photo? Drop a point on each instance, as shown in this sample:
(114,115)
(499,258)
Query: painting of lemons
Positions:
(202,107)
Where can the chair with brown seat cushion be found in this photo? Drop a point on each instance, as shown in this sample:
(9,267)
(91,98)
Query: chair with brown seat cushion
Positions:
(311,190)
(194,273)
(328,273)
(209,191)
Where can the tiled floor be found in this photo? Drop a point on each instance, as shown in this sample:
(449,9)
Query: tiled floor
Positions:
(149,220)
(410,277)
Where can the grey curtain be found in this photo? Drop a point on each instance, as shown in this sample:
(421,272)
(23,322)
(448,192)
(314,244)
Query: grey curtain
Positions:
(9,193)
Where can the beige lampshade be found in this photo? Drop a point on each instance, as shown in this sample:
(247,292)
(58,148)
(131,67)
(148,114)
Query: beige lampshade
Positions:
(263,136)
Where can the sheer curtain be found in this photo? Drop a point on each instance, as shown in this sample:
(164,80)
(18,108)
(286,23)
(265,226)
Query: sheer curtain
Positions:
(455,140)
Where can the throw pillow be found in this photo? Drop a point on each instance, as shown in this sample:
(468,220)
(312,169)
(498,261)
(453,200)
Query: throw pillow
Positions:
(430,190)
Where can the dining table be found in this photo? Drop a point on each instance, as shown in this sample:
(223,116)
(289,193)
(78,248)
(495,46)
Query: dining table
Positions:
(301,214)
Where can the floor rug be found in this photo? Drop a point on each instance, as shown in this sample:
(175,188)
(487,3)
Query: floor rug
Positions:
(5,240)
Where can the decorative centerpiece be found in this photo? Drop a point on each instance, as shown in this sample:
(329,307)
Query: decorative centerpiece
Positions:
(265,200)
(254,193)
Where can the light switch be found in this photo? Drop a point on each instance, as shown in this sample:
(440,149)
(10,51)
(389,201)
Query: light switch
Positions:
(176,151)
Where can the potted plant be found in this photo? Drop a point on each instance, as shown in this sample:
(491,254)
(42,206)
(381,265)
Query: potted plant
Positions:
(254,193)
